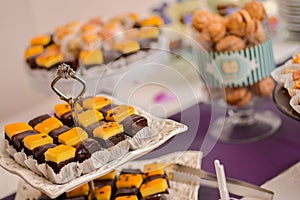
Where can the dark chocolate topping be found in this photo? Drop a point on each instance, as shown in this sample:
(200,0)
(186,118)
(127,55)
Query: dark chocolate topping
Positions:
(38,120)
(57,167)
(17,140)
(38,153)
(127,191)
(86,148)
(67,119)
(134,123)
(131,171)
(56,132)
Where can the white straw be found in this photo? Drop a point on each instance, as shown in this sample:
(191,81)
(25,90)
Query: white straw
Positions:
(221,180)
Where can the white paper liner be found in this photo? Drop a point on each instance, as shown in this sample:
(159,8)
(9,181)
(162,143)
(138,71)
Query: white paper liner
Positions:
(35,167)
(20,157)
(294,102)
(289,85)
(141,138)
(118,150)
(97,160)
(281,78)
(67,173)
(10,150)
(3,144)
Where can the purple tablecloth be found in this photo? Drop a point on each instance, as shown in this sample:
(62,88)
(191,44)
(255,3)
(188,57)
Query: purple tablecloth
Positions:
(255,162)
(252,162)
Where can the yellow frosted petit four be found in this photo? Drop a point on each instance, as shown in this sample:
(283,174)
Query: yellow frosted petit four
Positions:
(60,153)
(72,136)
(149,33)
(127,46)
(48,125)
(40,40)
(110,176)
(154,169)
(89,117)
(61,109)
(93,57)
(33,51)
(119,113)
(49,58)
(129,181)
(16,128)
(96,102)
(79,191)
(103,193)
(107,130)
(33,141)
(152,21)
(153,187)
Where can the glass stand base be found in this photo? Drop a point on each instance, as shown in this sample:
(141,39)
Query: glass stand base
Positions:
(263,124)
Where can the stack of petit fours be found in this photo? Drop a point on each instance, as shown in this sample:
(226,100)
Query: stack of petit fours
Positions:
(54,146)
(92,43)
(131,184)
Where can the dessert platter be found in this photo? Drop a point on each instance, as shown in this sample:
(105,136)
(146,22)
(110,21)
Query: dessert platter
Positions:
(286,93)
(97,48)
(174,190)
(85,138)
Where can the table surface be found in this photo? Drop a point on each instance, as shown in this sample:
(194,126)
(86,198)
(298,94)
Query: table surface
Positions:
(254,162)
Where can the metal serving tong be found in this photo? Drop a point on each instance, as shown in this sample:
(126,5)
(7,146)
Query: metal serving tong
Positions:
(189,175)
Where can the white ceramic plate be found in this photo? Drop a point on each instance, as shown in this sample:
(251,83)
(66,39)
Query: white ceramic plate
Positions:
(178,191)
(165,128)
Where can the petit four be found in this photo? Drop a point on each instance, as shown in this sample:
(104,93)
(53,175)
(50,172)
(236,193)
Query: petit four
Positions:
(109,134)
(86,148)
(89,117)
(80,191)
(33,141)
(133,124)
(48,125)
(129,181)
(64,113)
(60,156)
(153,187)
(119,113)
(72,136)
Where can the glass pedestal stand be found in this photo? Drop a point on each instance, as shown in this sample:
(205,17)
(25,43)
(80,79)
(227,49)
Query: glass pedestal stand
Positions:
(244,125)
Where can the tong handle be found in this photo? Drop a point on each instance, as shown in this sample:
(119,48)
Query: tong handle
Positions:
(64,71)
(208,179)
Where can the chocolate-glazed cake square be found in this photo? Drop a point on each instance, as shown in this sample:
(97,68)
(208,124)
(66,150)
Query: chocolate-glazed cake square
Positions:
(91,127)
(104,192)
(107,108)
(64,113)
(109,134)
(59,156)
(86,148)
(11,130)
(38,152)
(17,140)
(133,124)
(33,141)
(38,120)
(56,132)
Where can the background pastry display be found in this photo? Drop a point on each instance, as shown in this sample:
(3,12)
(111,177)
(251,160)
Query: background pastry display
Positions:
(236,33)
